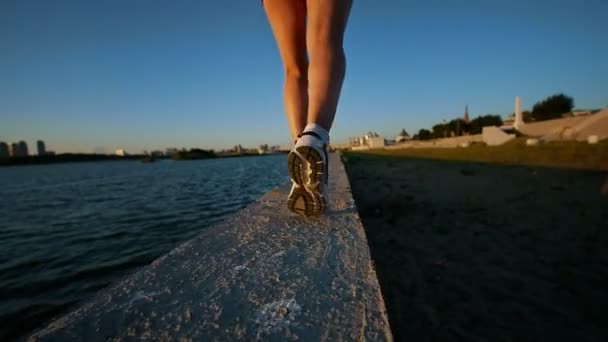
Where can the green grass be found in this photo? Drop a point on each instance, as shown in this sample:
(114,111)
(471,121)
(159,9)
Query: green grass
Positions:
(576,155)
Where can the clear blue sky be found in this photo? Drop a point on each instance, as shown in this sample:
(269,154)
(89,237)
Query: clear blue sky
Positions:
(100,75)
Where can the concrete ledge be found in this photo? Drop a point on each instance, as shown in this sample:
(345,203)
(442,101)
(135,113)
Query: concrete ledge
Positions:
(494,136)
(264,273)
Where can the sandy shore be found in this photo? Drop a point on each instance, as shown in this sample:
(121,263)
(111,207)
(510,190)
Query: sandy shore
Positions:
(472,252)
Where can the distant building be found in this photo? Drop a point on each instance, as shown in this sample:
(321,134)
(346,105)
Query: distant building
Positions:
(14,150)
(370,140)
(4,152)
(263,149)
(403,136)
(41,148)
(286,147)
(170,151)
(24,149)
(157,154)
(376,142)
(19,149)
(353,141)
(121,152)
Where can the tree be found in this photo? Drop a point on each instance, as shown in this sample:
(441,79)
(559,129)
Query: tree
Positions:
(423,134)
(476,125)
(454,127)
(440,131)
(458,127)
(552,107)
(194,153)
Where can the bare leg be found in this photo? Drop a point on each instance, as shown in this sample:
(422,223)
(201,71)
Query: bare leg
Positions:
(325,32)
(288,22)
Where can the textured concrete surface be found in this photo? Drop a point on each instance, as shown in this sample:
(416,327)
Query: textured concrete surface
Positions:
(494,136)
(443,142)
(542,128)
(263,274)
(597,125)
(578,128)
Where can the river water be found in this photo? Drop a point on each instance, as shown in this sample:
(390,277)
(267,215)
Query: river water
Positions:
(69,230)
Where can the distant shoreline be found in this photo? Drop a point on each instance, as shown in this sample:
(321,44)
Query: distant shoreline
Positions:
(64,158)
(82,158)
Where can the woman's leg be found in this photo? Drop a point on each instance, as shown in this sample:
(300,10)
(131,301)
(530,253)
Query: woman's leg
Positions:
(325,32)
(288,22)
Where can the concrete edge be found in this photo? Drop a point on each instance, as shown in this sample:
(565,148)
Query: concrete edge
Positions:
(262,274)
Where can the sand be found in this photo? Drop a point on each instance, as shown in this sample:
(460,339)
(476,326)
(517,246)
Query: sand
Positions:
(473,252)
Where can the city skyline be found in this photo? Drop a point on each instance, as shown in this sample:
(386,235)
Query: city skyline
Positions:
(21,149)
(92,77)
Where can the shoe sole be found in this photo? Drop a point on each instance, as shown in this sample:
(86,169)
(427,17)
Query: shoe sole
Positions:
(301,202)
(306,168)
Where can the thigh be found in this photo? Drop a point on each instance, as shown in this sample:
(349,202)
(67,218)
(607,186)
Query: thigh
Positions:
(287,20)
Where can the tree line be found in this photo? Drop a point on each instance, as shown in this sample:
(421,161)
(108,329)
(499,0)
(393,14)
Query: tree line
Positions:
(552,107)
(193,154)
(458,127)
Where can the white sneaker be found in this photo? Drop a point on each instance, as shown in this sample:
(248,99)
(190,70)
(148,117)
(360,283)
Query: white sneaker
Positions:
(307,165)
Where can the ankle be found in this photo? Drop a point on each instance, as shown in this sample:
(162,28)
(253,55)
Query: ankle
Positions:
(318,130)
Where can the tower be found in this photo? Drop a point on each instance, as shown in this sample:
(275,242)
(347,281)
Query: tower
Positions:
(15,150)
(519,119)
(4,152)
(466,114)
(41,148)
(23,149)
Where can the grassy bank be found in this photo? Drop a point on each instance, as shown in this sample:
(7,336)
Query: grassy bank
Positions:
(573,155)
(481,252)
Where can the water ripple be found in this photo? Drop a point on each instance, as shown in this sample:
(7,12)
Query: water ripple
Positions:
(66,231)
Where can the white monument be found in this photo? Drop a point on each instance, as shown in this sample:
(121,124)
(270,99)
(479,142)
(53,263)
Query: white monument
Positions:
(519,119)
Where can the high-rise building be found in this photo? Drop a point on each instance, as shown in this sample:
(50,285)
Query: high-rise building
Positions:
(41,148)
(23,149)
(4,153)
(15,150)
(19,149)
